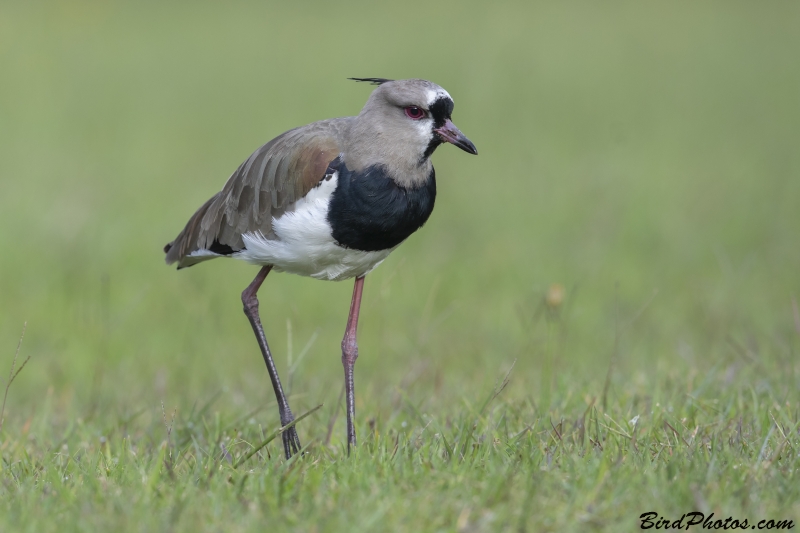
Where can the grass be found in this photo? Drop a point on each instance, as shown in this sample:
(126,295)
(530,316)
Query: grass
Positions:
(627,241)
(506,466)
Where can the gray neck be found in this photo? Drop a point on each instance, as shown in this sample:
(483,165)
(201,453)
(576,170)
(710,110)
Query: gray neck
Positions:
(369,143)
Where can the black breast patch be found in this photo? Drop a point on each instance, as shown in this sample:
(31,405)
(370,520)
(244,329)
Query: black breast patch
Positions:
(368,211)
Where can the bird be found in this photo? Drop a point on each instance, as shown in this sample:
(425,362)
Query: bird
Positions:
(329,200)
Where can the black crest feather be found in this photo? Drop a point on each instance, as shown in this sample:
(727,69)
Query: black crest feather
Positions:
(373,81)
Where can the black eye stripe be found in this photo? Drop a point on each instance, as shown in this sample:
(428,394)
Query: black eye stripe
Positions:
(440,110)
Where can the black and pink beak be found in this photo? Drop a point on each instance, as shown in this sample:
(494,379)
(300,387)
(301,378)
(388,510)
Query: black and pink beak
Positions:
(449,133)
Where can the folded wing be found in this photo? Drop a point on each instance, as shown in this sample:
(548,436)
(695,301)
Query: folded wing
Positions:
(264,187)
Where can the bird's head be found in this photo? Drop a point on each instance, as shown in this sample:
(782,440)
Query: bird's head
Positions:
(401,125)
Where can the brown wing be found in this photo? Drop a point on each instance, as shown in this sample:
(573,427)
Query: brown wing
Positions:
(266,185)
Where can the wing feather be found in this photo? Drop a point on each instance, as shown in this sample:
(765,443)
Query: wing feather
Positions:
(264,187)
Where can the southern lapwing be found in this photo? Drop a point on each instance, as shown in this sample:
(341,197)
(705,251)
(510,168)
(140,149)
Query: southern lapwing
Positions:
(330,200)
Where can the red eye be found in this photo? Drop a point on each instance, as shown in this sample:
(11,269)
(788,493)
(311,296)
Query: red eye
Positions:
(415,113)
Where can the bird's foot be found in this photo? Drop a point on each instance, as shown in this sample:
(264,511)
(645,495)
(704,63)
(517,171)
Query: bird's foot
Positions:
(291,442)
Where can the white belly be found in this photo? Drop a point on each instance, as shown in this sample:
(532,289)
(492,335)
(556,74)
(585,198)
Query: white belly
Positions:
(305,245)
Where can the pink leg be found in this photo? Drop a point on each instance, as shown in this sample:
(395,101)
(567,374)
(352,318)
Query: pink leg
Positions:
(349,356)
(291,443)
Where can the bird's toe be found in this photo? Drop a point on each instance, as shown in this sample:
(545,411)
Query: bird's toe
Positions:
(291,442)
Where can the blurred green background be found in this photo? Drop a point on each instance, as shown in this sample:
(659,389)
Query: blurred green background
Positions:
(642,155)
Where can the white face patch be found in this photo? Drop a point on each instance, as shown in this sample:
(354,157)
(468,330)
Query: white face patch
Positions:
(305,244)
(435,94)
(425,128)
